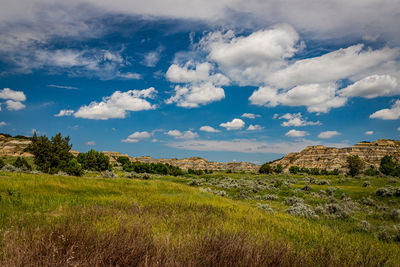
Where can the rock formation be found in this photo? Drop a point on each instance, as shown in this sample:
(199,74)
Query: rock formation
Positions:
(13,147)
(331,158)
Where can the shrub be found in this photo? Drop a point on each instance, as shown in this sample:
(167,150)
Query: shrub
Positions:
(2,163)
(384,192)
(293,200)
(270,197)
(383,234)
(301,210)
(367,201)
(278,168)
(304,170)
(364,226)
(323,182)
(21,163)
(265,169)
(155,168)
(123,160)
(10,168)
(74,168)
(108,174)
(196,172)
(387,165)
(265,207)
(294,169)
(94,161)
(366,184)
(307,188)
(314,171)
(371,171)
(355,165)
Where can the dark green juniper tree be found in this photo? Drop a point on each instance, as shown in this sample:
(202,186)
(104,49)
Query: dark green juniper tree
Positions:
(50,156)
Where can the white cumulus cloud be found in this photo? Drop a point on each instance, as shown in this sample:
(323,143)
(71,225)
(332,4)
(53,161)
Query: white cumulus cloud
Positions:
(14,105)
(235,124)
(182,135)
(328,134)
(296,120)
(369,132)
(372,86)
(318,98)
(296,133)
(209,129)
(136,137)
(7,93)
(118,104)
(255,127)
(392,113)
(194,95)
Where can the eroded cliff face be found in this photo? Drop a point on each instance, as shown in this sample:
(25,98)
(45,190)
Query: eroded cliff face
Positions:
(331,158)
(13,147)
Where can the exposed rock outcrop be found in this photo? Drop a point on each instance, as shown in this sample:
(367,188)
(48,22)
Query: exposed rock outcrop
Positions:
(331,158)
(13,147)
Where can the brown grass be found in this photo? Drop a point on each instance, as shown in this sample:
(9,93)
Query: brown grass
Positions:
(80,244)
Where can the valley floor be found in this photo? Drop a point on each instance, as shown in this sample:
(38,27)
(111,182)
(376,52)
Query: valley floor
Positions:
(212,220)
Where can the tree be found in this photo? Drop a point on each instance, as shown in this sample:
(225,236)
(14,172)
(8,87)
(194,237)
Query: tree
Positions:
(2,163)
(50,156)
(123,159)
(74,168)
(265,168)
(371,171)
(355,165)
(94,161)
(387,166)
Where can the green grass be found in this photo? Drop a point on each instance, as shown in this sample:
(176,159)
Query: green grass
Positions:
(177,215)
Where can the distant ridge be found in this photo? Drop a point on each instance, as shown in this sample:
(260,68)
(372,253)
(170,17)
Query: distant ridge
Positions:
(331,158)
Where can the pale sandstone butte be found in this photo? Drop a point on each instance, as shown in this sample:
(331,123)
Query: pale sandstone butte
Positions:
(331,158)
(13,147)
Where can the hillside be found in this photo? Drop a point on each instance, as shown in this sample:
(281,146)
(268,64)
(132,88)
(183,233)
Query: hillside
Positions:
(331,158)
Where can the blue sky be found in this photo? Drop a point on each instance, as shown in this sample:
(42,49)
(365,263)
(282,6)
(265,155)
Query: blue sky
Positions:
(227,81)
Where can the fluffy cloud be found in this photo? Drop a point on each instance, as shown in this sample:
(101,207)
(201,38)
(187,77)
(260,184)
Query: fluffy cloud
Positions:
(250,115)
(247,59)
(369,132)
(296,133)
(64,112)
(7,93)
(235,124)
(192,96)
(14,99)
(255,127)
(296,119)
(201,84)
(373,86)
(14,105)
(209,129)
(332,66)
(136,137)
(195,73)
(328,134)
(392,113)
(3,123)
(318,98)
(182,135)
(118,104)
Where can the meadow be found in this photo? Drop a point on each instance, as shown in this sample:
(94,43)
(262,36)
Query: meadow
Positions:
(218,219)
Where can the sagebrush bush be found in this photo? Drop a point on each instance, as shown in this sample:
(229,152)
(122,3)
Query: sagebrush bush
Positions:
(323,182)
(293,200)
(270,197)
(307,188)
(108,174)
(364,226)
(366,184)
(265,207)
(385,191)
(301,210)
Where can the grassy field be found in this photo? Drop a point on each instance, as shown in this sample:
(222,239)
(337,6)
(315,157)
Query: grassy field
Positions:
(212,220)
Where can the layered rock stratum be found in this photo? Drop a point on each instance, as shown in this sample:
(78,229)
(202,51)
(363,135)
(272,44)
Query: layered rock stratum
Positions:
(331,158)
